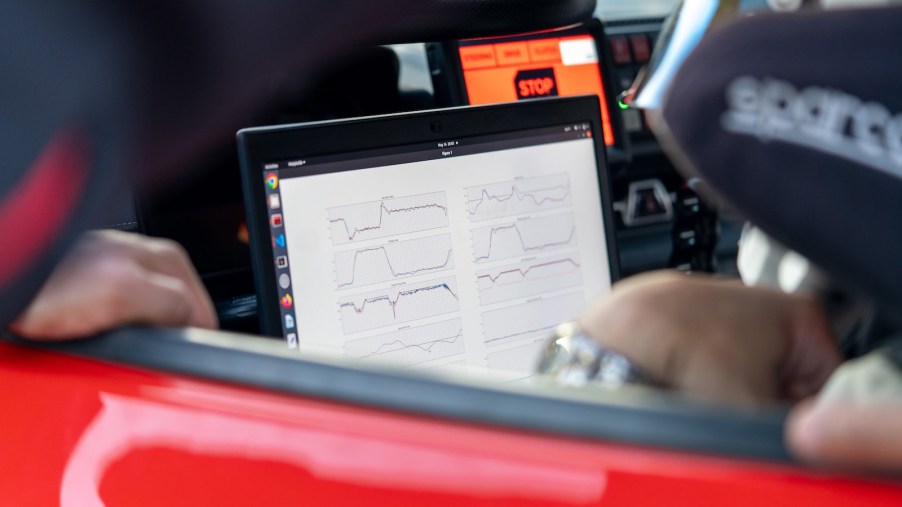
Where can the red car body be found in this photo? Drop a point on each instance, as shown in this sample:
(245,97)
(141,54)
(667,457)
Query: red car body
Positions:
(81,432)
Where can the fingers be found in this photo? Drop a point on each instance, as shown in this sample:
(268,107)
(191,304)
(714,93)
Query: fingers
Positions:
(167,257)
(813,354)
(111,279)
(847,435)
(158,299)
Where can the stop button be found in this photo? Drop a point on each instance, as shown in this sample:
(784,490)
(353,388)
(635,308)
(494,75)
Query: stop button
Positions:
(531,84)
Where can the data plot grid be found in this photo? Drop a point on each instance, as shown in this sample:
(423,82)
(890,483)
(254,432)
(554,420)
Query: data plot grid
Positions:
(522,359)
(524,237)
(518,196)
(530,320)
(393,261)
(388,217)
(540,276)
(398,304)
(412,346)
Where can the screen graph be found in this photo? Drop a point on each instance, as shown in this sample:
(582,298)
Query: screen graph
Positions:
(530,320)
(534,277)
(521,358)
(524,237)
(412,345)
(518,196)
(398,304)
(388,217)
(393,261)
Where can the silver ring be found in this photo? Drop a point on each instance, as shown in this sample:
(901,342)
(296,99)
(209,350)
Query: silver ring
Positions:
(573,359)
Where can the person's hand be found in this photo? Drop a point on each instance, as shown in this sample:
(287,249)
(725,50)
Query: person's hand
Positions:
(110,279)
(847,434)
(717,339)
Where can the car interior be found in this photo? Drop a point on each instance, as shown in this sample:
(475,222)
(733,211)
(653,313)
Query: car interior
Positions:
(658,219)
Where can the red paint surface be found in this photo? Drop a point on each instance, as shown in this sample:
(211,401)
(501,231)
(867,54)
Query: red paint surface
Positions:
(73,430)
(33,212)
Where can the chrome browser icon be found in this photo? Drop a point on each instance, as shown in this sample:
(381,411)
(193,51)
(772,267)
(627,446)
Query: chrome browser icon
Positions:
(272,181)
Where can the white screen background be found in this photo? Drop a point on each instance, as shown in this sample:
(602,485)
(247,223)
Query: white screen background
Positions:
(498,321)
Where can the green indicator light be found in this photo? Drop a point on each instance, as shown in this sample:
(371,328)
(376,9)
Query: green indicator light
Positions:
(622,105)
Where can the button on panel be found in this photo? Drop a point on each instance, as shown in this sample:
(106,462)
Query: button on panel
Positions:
(641,48)
(620,51)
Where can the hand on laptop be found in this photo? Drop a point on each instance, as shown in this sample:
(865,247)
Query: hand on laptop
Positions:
(110,279)
(717,339)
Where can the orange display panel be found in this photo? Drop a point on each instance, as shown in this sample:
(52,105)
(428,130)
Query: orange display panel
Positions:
(509,71)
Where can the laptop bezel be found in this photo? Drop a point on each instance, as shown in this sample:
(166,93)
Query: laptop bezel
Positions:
(260,145)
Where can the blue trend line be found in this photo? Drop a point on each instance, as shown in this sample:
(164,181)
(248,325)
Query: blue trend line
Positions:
(391,268)
(394,302)
(449,340)
(382,211)
(524,273)
(521,196)
(522,243)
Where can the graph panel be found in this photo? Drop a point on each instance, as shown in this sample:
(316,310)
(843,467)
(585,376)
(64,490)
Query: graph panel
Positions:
(393,261)
(398,304)
(412,346)
(524,237)
(530,320)
(538,276)
(388,217)
(518,196)
(522,359)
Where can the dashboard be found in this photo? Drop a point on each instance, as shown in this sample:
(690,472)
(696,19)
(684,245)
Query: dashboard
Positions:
(660,221)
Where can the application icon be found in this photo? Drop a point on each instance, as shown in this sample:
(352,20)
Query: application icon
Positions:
(284,281)
(289,322)
(287,301)
(292,340)
(279,241)
(281,262)
(274,201)
(276,220)
(272,181)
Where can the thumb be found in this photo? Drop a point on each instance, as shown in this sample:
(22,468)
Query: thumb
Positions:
(847,434)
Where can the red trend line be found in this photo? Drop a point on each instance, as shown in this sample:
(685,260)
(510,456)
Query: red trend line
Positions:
(449,340)
(382,211)
(394,302)
(521,196)
(390,267)
(522,243)
(524,272)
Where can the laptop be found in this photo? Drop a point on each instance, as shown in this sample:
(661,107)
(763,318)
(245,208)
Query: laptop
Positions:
(458,237)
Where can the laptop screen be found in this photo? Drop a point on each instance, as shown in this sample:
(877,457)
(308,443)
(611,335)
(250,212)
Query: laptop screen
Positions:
(464,251)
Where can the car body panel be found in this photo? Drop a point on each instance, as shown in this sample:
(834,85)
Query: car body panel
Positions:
(91,433)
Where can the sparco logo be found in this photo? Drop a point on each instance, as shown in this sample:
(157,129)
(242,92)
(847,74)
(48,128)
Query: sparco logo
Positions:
(818,118)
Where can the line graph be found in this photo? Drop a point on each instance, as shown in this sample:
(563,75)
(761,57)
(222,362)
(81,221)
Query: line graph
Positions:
(388,217)
(521,359)
(538,276)
(518,196)
(530,320)
(412,345)
(523,237)
(393,261)
(398,304)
